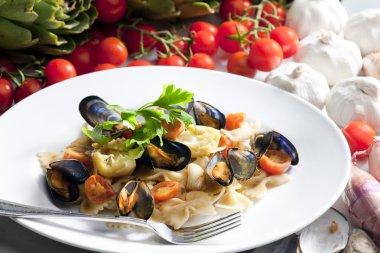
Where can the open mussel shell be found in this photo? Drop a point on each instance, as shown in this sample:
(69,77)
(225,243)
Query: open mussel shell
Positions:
(73,170)
(171,155)
(329,233)
(274,140)
(94,110)
(286,245)
(219,170)
(243,163)
(207,115)
(135,197)
(61,188)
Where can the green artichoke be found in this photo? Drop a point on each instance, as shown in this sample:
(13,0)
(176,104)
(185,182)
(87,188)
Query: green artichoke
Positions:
(170,9)
(51,27)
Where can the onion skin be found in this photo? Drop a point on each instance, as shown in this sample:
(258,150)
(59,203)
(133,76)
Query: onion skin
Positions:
(374,160)
(362,197)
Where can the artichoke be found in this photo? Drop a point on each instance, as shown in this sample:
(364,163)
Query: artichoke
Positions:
(170,9)
(51,27)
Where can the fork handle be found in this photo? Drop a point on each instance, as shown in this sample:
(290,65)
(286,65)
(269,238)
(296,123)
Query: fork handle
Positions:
(12,209)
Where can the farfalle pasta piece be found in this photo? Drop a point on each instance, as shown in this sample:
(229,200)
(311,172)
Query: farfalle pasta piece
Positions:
(260,189)
(233,200)
(201,140)
(148,174)
(45,158)
(88,207)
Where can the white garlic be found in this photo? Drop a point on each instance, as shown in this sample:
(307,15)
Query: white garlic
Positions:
(330,55)
(308,16)
(363,28)
(356,98)
(371,65)
(301,80)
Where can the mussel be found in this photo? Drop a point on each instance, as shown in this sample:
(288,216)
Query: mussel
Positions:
(170,156)
(135,198)
(218,169)
(94,110)
(63,178)
(207,115)
(276,141)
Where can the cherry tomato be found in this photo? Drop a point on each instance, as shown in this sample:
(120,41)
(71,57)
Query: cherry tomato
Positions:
(234,120)
(201,60)
(30,86)
(75,153)
(204,42)
(112,50)
(265,55)
(132,38)
(232,8)
(95,38)
(275,162)
(173,129)
(203,26)
(6,95)
(6,66)
(238,64)
(181,44)
(139,63)
(226,142)
(165,190)
(110,11)
(173,60)
(287,38)
(359,135)
(58,70)
(83,59)
(98,190)
(226,30)
(274,14)
(105,66)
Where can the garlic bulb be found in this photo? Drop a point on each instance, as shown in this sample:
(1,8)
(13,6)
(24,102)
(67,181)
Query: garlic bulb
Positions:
(356,98)
(308,16)
(371,65)
(330,55)
(363,28)
(301,80)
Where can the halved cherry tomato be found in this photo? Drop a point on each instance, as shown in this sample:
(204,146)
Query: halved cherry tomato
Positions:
(104,66)
(73,153)
(137,63)
(226,142)
(98,190)
(359,135)
(275,162)
(234,120)
(173,129)
(165,190)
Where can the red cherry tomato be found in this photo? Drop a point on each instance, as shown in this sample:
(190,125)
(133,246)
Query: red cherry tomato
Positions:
(203,26)
(201,60)
(181,44)
(58,70)
(6,95)
(132,38)
(112,50)
(6,66)
(359,135)
(165,190)
(30,86)
(95,38)
(265,55)
(204,42)
(83,59)
(226,30)
(238,64)
(287,38)
(139,63)
(173,60)
(274,14)
(98,190)
(110,11)
(231,8)
(275,162)
(104,66)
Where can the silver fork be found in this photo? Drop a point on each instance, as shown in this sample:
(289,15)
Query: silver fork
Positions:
(179,236)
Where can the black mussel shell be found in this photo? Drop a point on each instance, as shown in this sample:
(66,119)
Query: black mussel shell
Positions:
(143,207)
(207,115)
(60,188)
(284,144)
(188,107)
(243,163)
(94,110)
(261,143)
(73,170)
(170,156)
(219,170)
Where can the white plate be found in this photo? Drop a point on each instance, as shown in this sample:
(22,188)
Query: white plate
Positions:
(49,121)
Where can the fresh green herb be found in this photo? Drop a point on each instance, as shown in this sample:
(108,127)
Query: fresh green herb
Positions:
(146,121)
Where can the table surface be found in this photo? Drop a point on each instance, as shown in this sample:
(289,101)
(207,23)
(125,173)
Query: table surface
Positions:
(17,239)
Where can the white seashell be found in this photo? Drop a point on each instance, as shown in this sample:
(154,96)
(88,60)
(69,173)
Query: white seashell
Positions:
(371,65)
(330,55)
(301,80)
